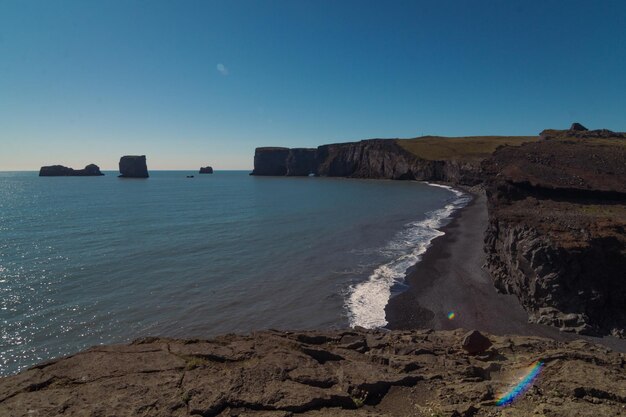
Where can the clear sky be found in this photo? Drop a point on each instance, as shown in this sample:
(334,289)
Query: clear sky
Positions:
(191,83)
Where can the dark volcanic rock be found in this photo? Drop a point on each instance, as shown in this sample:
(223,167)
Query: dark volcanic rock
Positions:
(556,236)
(133,167)
(475,342)
(206,170)
(61,171)
(320,374)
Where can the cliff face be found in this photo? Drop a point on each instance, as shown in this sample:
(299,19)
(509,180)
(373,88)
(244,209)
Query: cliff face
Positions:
(133,166)
(375,158)
(61,171)
(301,162)
(206,170)
(270,161)
(340,373)
(557,232)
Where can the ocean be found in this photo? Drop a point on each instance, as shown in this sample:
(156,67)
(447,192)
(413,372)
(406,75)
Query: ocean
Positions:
(97,260)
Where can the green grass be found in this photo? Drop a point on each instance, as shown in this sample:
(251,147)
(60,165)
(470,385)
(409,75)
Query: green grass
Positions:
(193,362)
(469,148)
(612,211)
(562,136)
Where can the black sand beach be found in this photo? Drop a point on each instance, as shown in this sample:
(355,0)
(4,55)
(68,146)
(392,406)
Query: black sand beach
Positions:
(450,278)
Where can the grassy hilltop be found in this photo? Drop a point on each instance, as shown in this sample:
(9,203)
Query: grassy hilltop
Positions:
(467,148)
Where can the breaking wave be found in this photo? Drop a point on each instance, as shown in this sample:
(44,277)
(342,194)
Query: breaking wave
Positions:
(366,301)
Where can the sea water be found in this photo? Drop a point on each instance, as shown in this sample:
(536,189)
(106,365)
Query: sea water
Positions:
(93,260)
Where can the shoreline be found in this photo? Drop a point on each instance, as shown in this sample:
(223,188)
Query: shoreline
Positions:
(450,278)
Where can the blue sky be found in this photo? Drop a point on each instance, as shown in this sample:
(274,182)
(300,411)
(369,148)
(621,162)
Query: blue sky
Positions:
(191,83)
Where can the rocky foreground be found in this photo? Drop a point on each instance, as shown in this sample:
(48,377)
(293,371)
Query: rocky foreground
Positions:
(341,373)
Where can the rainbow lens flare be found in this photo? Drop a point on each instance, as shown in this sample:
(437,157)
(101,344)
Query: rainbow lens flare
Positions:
(521,387)
(451,315)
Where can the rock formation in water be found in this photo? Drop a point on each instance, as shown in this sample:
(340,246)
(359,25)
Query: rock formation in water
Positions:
(133,166)
(206,170)
(270,161)
(374,158)
(557,229)
(61,171)
(341,373)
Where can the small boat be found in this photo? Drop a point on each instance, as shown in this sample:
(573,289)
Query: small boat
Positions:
(189,176)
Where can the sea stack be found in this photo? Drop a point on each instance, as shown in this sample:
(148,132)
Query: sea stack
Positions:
(133,166)
(206,170)
(90,170)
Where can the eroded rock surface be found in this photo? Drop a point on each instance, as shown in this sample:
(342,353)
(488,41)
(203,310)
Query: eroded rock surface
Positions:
(341,373)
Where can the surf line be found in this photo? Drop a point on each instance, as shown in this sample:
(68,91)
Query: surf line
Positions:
(521,387)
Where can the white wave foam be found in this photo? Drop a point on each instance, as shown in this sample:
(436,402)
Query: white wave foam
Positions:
(366,301)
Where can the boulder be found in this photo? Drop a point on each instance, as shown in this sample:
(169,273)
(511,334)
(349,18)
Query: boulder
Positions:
(62,171)
(474,342)
(577,127)
(133,166)
(206,170)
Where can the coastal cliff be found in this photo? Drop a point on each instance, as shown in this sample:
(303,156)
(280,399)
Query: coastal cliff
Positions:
(90,170)
(340,373)
(373,158)
(557,216)
(556,236)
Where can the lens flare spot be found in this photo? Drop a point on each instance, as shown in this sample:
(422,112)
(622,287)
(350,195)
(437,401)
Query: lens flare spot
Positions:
(520,387)
(451,315)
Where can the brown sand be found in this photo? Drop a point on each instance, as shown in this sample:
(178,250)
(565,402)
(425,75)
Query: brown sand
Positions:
(450,278)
